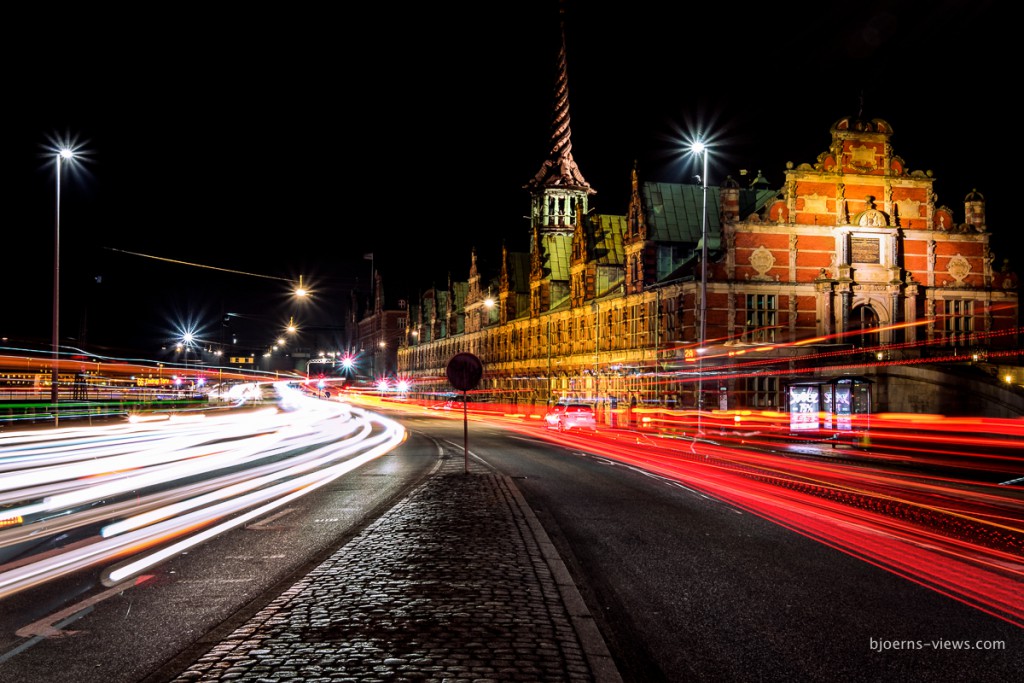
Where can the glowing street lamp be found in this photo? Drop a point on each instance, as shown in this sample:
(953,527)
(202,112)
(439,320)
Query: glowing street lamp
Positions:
(301,291)
(347,362)
(488,315)
(63,154)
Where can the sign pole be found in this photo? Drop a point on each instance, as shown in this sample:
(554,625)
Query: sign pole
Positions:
(464,371)
(465,435)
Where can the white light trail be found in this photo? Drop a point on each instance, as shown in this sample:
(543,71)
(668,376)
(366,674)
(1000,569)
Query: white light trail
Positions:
(180,483)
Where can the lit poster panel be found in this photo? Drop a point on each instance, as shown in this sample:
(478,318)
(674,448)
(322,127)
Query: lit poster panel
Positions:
(803,408)
(843,406)
(827,408)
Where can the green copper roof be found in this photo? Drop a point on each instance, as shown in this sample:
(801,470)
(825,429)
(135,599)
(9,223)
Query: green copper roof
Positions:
(519,271)
(673,211)
(608,249)
(558,251)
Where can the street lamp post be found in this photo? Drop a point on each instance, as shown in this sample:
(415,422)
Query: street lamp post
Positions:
(186,341)
(700,148)
(62,155)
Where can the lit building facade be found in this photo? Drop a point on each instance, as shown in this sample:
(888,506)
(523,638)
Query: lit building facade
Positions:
(850,266)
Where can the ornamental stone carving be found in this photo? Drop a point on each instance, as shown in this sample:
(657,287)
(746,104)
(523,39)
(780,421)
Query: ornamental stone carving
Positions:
(959,268)
(762,261)
(872,217)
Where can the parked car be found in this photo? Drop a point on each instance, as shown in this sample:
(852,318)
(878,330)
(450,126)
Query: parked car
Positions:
(569,416)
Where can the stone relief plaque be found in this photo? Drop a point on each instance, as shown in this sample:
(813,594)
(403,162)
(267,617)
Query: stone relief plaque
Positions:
(863,156)
(865,250)
(815,204)
(909,208)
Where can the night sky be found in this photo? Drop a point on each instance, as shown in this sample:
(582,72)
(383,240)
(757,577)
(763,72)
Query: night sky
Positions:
(231,152)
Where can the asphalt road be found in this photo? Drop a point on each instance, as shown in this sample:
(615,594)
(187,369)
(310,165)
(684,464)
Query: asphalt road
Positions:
(121,636)
(688,588)
(683,586)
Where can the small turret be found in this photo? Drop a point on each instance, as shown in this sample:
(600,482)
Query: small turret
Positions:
(974,210)
(730,200)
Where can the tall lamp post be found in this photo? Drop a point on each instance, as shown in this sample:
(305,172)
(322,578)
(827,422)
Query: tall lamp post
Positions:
(187,340)
(700,148)
(64,154)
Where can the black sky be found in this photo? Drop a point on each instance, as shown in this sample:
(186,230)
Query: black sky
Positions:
(293,142)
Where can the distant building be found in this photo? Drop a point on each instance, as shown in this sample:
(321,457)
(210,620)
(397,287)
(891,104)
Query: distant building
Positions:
(850,264)
(380,330)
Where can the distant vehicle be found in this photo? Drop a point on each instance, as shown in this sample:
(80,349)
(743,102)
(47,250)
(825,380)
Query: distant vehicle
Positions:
(566,417)
(452,402)
(448,405)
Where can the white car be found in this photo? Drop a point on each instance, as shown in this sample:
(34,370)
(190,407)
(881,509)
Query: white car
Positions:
(569,416)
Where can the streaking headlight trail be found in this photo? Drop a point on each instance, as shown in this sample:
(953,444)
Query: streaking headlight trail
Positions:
(156,489)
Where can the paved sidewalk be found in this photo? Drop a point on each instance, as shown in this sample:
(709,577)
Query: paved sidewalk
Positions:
(458,582)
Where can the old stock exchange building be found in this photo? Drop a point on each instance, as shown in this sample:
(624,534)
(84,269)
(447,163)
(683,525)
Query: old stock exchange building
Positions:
(850,267)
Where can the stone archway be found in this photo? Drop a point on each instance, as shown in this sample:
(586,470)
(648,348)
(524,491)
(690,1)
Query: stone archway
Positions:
(864,324)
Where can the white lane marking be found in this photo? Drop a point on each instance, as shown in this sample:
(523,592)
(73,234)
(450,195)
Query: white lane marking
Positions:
(45,626)
(264,522)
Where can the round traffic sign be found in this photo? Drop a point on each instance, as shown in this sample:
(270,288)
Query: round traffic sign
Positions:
(464,371)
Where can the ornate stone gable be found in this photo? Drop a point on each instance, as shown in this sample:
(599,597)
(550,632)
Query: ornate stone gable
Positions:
(636,224)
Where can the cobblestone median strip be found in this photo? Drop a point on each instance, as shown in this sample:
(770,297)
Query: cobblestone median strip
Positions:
(457,582)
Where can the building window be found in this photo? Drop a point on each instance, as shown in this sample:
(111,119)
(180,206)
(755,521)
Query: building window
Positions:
(670,318)
(761,318)
(762,392)
(668,259)
(630,325)
(959,322)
